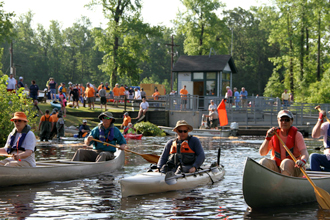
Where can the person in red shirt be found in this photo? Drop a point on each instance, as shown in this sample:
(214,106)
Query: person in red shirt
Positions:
(127,119)
(183,93)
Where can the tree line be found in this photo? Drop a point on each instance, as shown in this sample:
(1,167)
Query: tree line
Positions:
(277,47)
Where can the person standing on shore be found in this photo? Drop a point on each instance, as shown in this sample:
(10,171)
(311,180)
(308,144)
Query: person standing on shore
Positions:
(183,93)
(90,95)
(52,87)
(103,98)
(285,98)
(11,83)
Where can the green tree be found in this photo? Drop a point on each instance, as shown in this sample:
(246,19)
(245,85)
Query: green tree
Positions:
(6,24)
(202,27)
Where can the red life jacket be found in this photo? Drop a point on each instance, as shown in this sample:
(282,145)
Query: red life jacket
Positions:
(290,143)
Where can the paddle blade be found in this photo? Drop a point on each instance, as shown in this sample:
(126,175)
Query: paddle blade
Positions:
(322,197)
(150,158)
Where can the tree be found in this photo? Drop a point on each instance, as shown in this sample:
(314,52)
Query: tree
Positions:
(6,24)
(202,27)
(121,41)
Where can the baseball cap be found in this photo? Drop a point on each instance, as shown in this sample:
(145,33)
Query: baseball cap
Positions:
(21,77)
(84,121)
(285,113)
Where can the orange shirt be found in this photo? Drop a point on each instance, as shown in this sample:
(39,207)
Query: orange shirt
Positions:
(184,93)
(54,118)
(82,90)
(127,119)
(43,118)
(99,88)
(156,95)
(115,91)
(122,90)
(89,92)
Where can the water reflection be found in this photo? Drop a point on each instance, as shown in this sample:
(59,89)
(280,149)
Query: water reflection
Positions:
(98,197)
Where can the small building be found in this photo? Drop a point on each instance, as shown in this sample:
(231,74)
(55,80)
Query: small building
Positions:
(205,75)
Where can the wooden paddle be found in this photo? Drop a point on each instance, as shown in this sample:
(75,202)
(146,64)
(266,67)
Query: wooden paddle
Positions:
(322,196)
(148,157)
(319,108)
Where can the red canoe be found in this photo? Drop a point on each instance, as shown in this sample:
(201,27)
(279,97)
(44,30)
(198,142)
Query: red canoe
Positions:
(133,136)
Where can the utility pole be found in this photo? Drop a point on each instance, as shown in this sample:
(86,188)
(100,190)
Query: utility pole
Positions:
(172,55)
(11,51)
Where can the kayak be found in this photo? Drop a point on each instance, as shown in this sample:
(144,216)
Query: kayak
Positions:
(264,188)
(155,182)
(55,104)
(133,136)
(58,170)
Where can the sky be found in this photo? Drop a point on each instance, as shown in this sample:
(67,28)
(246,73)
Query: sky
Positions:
(67,12)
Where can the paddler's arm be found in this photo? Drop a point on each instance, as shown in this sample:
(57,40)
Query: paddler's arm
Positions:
(264,148)
(3,151)
(200,155)
(316,133)
(22,155)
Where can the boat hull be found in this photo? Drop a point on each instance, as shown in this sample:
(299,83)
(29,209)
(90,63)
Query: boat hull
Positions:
(58,170)
(200,132)
(264,188)
(133,136)
(55,105)
(154,182)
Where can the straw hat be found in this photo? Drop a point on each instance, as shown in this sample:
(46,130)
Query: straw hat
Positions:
(19,116)
(183,123)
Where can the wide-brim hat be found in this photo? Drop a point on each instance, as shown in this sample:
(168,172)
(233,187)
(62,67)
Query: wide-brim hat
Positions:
(19,116)
(107,114)
(183,123)
(285,113)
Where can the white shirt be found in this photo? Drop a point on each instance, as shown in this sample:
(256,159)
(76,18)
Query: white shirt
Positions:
(29,143)
(137,95)
(144,105)
(11,83)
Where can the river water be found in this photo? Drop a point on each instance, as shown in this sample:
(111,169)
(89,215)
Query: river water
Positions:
(99,197)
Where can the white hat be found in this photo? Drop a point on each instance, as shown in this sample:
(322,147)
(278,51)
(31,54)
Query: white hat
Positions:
(84,121)
(21,77)
(227,87)
(70,83)
(285,113)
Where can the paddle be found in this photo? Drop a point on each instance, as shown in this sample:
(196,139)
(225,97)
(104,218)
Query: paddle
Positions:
(322,196)
(319,108)
(171,178)
(148,157)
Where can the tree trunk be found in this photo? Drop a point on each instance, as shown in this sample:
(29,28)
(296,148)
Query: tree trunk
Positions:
(318,74)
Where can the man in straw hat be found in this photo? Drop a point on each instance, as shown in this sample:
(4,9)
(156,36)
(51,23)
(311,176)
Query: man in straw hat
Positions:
(105,132)
(20,144)
(183,154)
(281,161)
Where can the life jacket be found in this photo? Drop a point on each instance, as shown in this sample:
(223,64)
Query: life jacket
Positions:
(105,137)
(181,153)
(290,143)
(109,138)
(20,140)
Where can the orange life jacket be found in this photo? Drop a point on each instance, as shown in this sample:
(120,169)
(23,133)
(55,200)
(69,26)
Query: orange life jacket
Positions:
(290,143)
(185,152)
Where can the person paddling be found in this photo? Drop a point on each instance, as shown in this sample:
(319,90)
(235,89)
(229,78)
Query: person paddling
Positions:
(183,154)
(280,161)
(20,144)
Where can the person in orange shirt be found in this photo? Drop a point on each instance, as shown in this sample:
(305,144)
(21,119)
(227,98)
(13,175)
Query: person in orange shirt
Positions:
(183,93)
(127,119)
(100,87)
(122,93)
(45,126)
(90,94)
(156,94)
(53,119)
(116,93)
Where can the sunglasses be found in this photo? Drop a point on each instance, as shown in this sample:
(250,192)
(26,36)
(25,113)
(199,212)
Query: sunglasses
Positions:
(285,119)
(17,121)
(108,118)
(184,131)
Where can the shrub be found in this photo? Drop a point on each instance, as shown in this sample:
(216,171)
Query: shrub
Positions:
(148,129)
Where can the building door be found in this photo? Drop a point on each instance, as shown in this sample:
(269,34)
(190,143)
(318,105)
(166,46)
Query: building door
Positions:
(199,90)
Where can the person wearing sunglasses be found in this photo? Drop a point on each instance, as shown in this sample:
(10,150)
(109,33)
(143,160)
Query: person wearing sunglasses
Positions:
(281,161)
(105,132)
(20,144)
(321,162)
(183,154)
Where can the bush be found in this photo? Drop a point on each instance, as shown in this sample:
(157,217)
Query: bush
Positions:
(148,129)
(11,103)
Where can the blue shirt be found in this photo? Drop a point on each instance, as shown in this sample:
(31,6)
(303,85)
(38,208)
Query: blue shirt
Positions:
(118,138)
(245,94)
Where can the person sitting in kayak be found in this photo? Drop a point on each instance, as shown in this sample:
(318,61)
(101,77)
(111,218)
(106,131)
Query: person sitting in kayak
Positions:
(20,144)
(321,162)
(83,129)
(105,132)
(130,129)
(127,119)
(281,161)
(183,154)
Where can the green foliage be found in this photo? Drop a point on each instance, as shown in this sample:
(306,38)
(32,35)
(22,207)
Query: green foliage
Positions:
(320,90)
(274,87)
(6,24)
(11,103)
(148,129)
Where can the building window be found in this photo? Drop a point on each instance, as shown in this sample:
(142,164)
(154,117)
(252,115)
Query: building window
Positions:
(198,76)
(211,76)
(211,87)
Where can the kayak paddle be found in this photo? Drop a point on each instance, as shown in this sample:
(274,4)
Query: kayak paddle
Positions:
(148,157)
(322,196)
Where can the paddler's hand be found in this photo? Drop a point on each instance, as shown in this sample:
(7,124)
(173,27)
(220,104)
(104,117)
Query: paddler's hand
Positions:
(270,133)
(17,157)
(122,147)
(88,140)
(300,163)
(192,170)
(322,114)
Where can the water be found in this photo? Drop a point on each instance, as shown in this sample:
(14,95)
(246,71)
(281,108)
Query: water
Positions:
(99,197)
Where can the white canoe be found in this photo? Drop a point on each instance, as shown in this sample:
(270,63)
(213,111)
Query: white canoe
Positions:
(200,132)
(58,170)
(154,182)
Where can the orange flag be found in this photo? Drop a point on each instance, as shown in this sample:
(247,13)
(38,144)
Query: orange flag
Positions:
(223,119)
